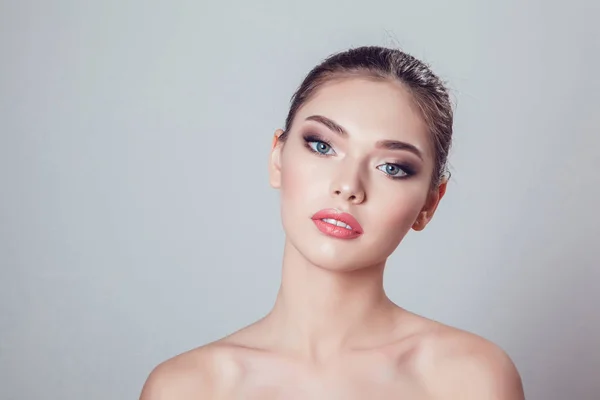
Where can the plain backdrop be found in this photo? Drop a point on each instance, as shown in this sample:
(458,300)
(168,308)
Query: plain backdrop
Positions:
(136,219)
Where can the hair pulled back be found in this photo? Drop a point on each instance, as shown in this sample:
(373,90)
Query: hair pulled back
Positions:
(428,91)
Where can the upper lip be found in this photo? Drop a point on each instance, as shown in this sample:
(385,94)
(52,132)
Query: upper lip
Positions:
(344,217)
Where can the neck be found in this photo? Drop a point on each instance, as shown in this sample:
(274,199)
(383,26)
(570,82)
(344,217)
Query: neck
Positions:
(319,312)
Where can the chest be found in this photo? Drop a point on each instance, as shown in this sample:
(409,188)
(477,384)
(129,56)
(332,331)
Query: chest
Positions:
(370,381)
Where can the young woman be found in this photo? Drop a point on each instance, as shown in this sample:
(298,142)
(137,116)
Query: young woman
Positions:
(361,161)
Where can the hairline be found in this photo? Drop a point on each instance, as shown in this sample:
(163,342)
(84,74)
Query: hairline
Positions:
(329,77)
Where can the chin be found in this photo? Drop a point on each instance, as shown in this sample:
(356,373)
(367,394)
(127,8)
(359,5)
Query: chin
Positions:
(334,264)
(336,254)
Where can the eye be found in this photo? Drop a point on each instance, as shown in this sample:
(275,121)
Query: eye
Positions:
(393,170)
(320,147)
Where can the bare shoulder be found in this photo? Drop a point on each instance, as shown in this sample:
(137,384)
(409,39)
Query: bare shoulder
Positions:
(458,364)
(204,372)
(214,370)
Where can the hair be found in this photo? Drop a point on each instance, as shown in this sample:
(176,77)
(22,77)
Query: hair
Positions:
(428,91)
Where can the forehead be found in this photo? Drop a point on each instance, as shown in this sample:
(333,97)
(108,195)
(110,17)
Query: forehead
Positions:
(370,110)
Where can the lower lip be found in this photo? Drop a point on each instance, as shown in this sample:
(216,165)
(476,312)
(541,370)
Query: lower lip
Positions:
(335,231)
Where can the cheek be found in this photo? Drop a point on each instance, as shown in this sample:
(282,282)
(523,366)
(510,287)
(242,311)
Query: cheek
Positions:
(292,183)
(396,212)
(300,191)
(302,180)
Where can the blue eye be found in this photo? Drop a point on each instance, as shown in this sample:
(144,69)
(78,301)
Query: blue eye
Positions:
(320,147)
(393,170)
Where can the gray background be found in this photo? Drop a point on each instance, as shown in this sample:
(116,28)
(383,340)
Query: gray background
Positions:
(136,220)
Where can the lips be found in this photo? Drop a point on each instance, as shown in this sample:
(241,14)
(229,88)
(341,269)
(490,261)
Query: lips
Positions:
(337,224)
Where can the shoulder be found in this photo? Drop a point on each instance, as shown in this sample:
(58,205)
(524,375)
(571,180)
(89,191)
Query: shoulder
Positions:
(459,364)
(200,373)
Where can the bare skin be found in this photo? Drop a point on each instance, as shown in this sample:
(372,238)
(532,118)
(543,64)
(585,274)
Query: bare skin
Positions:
(333,333)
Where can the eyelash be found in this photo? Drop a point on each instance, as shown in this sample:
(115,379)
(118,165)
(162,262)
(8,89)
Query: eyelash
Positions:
(312,138)
(407,169)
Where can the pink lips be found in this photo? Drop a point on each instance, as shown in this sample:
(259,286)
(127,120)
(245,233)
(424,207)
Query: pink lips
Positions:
(340,232)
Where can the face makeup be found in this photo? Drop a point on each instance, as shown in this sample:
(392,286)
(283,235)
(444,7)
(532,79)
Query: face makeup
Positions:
(337,224)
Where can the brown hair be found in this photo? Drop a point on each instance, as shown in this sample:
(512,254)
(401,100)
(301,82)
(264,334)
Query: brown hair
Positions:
(429,92)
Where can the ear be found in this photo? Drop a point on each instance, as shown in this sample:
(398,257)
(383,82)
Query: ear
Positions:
(275,160)
(431,204)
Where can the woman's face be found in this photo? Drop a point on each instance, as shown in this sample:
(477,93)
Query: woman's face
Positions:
(358,146)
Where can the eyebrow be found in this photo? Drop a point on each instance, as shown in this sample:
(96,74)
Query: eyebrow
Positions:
(331,124)
(397,145)
(382,144)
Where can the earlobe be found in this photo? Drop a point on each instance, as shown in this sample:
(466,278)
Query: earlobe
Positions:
(432,202)
(275,161)
(419,224)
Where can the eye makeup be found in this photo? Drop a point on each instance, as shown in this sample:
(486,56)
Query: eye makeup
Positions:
(406,169)
(320,146)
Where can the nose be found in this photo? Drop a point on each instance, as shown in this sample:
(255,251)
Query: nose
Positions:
(348,186)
